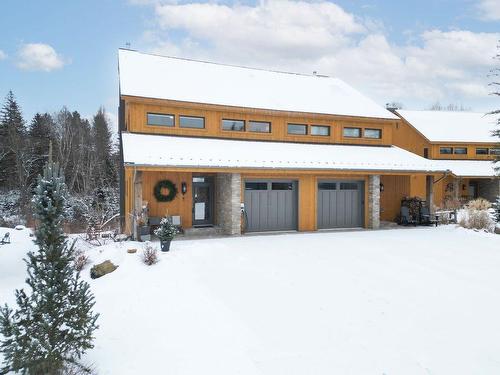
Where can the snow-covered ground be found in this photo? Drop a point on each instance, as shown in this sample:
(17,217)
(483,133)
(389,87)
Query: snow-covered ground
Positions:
(401,301)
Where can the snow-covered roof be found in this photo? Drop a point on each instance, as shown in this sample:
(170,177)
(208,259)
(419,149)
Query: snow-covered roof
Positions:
(448,126)
(469,168)
(160,77)
(172,151)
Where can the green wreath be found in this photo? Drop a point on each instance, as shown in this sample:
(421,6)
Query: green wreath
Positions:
(165,184)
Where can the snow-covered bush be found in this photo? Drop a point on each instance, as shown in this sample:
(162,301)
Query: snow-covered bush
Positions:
(10,214)
(94,210)
(149,255)
(80,260)
(166,231)
(477,214)
(497,209)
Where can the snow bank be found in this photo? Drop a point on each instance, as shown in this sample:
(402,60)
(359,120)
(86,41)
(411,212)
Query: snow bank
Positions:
(401,301)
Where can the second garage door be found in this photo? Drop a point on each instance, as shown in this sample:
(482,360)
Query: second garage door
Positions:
(340,204)
(270,205)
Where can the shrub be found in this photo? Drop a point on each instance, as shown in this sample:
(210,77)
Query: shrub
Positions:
(149,255)
(477,215)
(166,230)
(81,260)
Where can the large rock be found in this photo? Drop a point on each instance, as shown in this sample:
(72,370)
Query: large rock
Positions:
(497,229)
(102,269)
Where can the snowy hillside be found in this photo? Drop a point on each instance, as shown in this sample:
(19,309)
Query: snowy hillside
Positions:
(413,301)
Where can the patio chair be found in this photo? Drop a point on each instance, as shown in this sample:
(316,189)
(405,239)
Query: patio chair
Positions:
(426,218)
(406,218)
(6,239)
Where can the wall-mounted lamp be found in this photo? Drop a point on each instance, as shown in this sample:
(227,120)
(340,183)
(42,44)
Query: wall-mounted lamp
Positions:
(381,187)
(184,188)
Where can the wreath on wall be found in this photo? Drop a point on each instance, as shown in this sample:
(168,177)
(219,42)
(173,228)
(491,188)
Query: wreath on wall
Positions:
(165,184)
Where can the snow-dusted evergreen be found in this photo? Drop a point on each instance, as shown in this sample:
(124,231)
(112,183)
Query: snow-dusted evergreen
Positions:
(53,323)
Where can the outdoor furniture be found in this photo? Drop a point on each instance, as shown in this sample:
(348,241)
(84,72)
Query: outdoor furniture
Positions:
(426,218)
(406,218)
(6,239)
(447,216)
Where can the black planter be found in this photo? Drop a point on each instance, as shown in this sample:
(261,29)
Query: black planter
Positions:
(165,245)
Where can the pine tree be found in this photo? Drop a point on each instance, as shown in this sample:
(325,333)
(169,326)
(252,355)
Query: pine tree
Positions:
(40,133)
(53,323)
(12,132)
(106,174)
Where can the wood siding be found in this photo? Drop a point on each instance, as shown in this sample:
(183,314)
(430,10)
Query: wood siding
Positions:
(137,109)
(395,189)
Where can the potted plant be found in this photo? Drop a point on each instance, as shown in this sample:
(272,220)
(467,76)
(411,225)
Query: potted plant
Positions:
(166,232)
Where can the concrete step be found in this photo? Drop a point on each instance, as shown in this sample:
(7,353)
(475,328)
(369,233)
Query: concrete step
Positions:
(213,231)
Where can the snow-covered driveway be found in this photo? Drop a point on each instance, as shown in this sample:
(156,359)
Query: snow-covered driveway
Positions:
(416,301)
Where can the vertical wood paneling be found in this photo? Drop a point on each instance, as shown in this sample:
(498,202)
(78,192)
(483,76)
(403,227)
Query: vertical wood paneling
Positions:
(395,189)
(181,205)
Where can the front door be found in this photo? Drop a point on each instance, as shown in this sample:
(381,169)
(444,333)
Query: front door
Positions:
(203,191)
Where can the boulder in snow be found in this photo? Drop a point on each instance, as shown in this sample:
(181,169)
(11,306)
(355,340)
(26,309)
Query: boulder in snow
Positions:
(102,269)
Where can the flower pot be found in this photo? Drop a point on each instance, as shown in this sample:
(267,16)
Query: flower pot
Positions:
(165,244)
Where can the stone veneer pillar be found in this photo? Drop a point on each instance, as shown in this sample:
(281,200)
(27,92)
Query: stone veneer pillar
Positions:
(429,190)
(228,202)
(374,202)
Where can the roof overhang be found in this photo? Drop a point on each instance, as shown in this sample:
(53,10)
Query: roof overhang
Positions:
(211,153)
(470,168)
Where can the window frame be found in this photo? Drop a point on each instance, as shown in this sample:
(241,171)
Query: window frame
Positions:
(190,127)
(372,129)
(312,126)
(160,114)
(445,153)
(234,120)
(296,124)
(482,148)
(259,122)
(494,151)
(351,128)
(460,153)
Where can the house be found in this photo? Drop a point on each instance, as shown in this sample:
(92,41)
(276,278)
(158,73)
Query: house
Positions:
(461,142)
(250,150)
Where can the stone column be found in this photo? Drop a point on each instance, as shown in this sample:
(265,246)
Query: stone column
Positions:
(374,202)
(228,202)
(429,193)
(137,201)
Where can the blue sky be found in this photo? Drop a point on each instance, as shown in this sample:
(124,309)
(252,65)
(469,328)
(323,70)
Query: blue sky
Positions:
(56,53)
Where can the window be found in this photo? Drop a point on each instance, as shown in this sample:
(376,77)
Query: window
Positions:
(320,130)
(494,151)
(446,150)
(282,186)
(372,133)
(481,151)
(460,150)
(297,129)
(160,120)
(256,186)
(426,153)
(327,186)
(352,132)
(259,126)
(191,122)
(348,186)
(234,125)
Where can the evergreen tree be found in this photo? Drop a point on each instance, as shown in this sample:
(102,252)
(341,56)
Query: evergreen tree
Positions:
(40,133)
(12,136)
(53,323)
(106,173)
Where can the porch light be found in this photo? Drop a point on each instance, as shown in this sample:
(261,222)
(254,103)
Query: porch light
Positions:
(381,187)
(184,188)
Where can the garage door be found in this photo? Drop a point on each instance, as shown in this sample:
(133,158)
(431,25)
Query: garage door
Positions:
(270,205)
(340,204)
